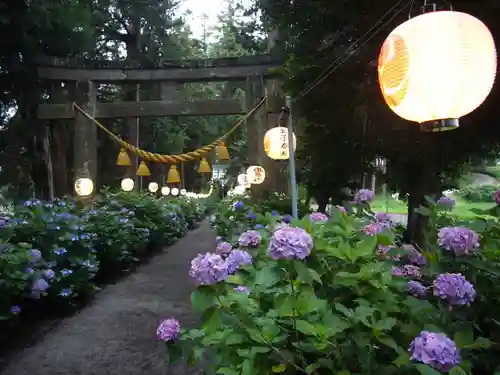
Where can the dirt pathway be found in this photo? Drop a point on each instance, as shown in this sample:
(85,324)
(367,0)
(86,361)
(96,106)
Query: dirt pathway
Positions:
(115,335)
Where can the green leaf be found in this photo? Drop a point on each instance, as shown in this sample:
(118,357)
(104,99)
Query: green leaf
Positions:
(403,360)
(227,371)
(365,248)
(278,369)
(457,370)
(247,367)
(480,343)
(426,370)
(203,298)
(306,328)
(267,277)
(463,339)
(174,352)
(385,324)
(312,367)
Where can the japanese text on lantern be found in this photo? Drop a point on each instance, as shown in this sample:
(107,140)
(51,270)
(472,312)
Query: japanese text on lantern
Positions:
(257,174)
(284,142)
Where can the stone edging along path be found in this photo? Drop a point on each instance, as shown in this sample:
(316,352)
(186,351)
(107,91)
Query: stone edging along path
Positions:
(116,333)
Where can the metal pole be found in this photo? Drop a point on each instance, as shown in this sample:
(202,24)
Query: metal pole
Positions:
(291,154)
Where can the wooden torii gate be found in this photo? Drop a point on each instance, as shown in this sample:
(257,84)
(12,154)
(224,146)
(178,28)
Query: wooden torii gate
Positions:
(82,77)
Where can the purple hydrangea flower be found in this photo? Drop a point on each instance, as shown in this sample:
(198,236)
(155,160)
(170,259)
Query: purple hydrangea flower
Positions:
(242,289)
(251,216)
(223,248)
(250,238)
(436,350)
(416,289)
(168,330)
(218,240)
(373,229)
(407,271)
(259,226)
(364,196)
(208,269)
(274,213)
(383,217)
(236,259)
(460,240)
(414,256)
(318,217)
(383,252)
(35,255)
(496,196)
(454,288)
(342,209)
(287,219)
(446,203)
(290,243)
(65,292)
(49,274)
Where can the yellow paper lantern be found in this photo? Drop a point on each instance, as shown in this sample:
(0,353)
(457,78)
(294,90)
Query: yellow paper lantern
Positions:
(143,170)
(127,184)
(204,166)
(174,191)
(222,153)
(153,187)
(165,190)
(276,143)
(84,187)
(256,174)
(123,158)
(438,66)
(173,176)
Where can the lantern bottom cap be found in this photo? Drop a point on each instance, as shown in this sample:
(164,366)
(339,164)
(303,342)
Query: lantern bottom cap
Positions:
(440,125)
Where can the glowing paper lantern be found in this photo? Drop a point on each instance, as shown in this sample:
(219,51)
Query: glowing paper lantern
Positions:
(437,66)
(84,187)
(256,174)
(183,191)
(242,179)
(174,191)
(276,143)
(153,187)
(165,190)
(127,184)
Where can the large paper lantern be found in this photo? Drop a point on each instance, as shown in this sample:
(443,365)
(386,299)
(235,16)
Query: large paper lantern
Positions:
(437,66)
(84,187)
(256,174)
(276,143)
(153,187)
(127,184)
(165,190)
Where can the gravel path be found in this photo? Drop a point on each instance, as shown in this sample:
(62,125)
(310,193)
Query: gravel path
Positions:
(115,335)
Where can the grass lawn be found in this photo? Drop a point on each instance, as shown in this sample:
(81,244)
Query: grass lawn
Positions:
(462,209)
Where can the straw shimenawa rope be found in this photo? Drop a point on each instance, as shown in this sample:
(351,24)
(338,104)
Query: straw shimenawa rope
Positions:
(169,159)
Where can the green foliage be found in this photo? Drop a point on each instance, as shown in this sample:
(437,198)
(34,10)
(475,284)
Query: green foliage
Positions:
(483,193)
(341,310)
(60,249)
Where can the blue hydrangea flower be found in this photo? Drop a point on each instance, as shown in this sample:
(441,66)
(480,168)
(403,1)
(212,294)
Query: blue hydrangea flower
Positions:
(65,292)
(35,255)
(223,248)
(15,310)
(60,251)
(416,289)
(238,205)
(251,216)
(236,259)
(446,203)
(242,289)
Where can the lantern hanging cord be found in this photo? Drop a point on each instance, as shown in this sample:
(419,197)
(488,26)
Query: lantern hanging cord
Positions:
(338,62)
(170,159)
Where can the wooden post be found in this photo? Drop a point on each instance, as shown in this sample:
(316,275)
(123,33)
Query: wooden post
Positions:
(85,134)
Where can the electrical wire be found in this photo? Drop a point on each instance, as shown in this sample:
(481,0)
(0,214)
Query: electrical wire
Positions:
(333,67)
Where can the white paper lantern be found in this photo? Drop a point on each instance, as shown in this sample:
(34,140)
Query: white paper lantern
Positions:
(183,191)
(276,143)
(127,184)
(437,66)
(256,174)
(174,191)
(84,187)
(165,190)
(242,178)
(153,187)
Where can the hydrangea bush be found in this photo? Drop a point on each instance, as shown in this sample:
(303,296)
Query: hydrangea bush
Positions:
(334,296)
(58,251)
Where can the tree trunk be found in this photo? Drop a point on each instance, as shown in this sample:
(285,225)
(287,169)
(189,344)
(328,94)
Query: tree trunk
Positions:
(59,160)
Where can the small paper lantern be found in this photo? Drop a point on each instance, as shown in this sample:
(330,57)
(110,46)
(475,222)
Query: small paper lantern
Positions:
(242,179)
(174,191)
(437,66)
(123,158)
(256,174)
(127,184)
(221,152)
(183,191)
(165,190)
(276,143)
(143,170)
(84,187)
(204,166)
(153,187)
(173,175)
